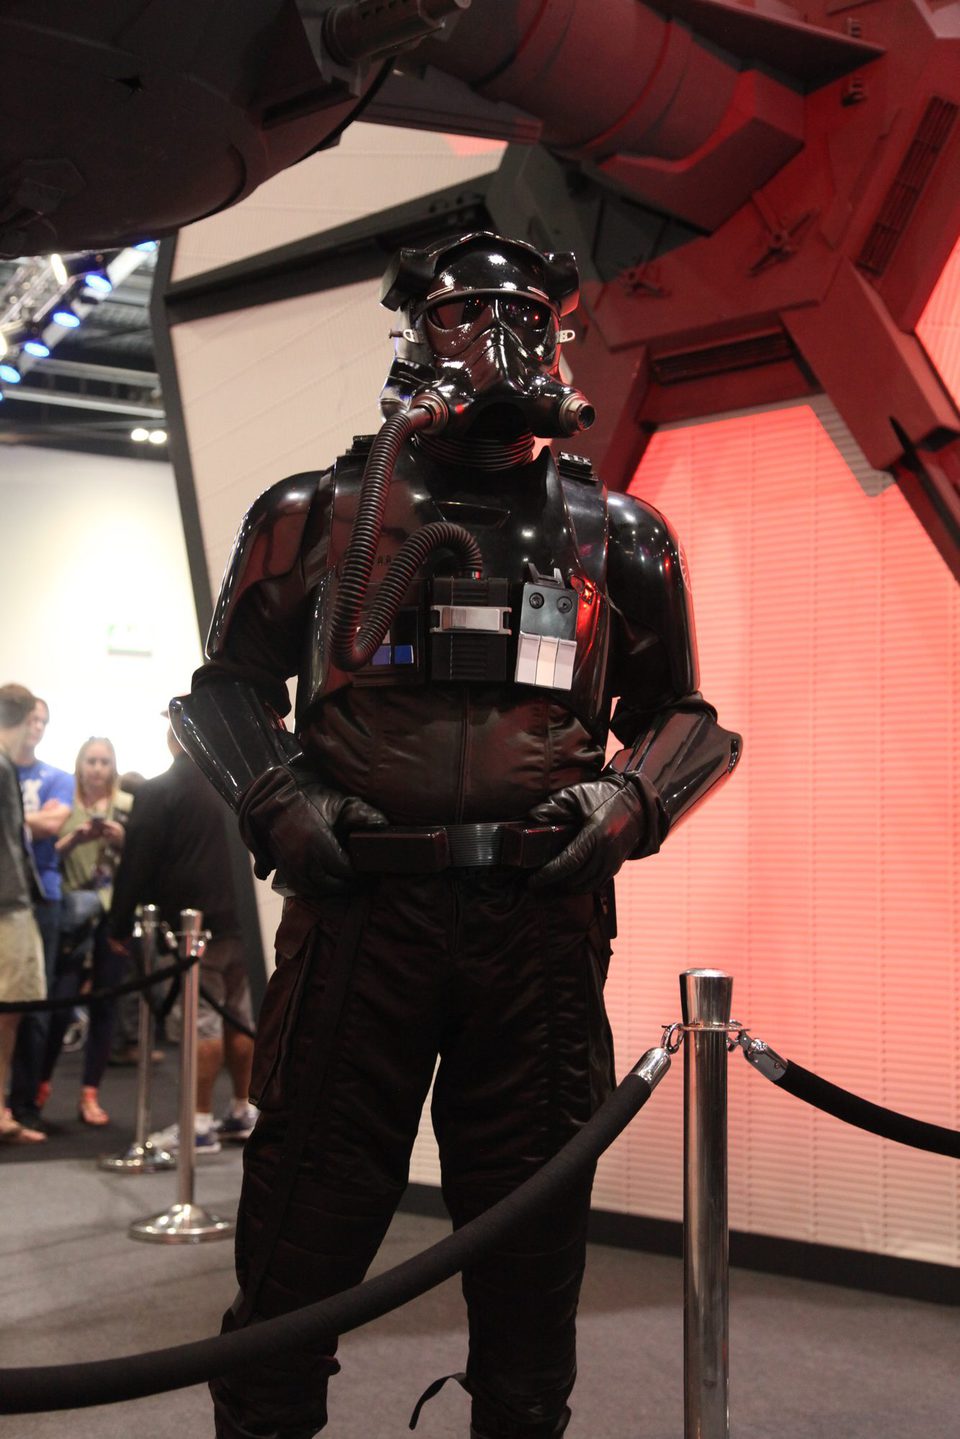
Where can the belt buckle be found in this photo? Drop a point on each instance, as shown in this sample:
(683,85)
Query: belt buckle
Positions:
(475,846)
(530,846)
(399,851)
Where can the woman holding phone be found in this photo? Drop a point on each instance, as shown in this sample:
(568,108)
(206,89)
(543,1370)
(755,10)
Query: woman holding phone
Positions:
(89,846)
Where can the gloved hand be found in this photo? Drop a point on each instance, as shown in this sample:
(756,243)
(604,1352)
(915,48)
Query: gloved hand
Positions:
(618,819)
(297,825)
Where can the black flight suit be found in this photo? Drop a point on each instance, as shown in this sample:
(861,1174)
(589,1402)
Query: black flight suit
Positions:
(476,966)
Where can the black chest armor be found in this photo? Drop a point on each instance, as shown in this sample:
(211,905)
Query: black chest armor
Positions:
(539,617)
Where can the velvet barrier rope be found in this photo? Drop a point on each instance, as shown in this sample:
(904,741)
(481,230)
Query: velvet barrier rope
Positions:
(861,1113)
(227,1015)
(32,1006)
(108,1381)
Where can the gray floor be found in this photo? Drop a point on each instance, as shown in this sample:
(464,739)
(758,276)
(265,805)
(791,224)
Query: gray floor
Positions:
(808,1361)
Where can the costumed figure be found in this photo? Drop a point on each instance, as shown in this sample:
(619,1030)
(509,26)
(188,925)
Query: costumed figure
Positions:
(461,614)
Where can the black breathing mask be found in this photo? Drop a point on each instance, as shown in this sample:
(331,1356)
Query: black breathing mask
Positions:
(483,332)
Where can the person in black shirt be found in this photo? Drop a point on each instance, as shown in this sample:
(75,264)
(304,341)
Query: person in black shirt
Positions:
(176,857)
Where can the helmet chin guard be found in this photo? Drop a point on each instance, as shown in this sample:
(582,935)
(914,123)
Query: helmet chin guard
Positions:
(483,331)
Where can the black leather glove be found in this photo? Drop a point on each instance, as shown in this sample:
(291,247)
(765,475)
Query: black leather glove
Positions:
(618,818)
(298,826)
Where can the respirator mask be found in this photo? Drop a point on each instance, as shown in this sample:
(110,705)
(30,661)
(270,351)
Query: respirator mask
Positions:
(483,333)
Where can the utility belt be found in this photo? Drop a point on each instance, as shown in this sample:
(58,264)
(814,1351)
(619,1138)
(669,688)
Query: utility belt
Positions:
(509,844)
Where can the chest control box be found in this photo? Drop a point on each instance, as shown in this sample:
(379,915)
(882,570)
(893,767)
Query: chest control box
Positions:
(547,648)
(469,629)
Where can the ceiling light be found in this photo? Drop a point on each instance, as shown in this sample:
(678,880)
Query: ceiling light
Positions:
(66,318)
(81,263)
(3,345)
(9,374)
(98,282)
(157,437)
(37,347)
(140,434)
(148,246)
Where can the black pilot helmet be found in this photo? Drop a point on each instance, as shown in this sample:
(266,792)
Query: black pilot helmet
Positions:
(482,329)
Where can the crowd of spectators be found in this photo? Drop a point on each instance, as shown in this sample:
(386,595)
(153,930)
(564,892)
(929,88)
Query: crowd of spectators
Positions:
(79,854)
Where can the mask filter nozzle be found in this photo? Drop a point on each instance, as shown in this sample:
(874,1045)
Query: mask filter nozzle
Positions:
(576,413)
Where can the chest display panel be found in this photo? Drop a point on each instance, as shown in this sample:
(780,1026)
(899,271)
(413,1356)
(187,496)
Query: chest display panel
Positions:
(547,639)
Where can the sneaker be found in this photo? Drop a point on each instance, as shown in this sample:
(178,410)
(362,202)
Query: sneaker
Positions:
(205,1141)
(237,1127)
(76,1034)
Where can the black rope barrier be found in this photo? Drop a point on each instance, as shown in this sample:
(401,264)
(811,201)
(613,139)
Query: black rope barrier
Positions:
(861,1113)
(227,1015)
(71,1001)
(109,1381)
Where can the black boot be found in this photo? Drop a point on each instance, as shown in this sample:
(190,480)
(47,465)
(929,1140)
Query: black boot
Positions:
(228,1426)
(549,1430)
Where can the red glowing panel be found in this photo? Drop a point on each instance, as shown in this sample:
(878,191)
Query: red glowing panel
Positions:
(939,326)
(825,876)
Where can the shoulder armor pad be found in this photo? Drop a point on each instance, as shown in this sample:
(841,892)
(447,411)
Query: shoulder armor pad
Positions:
(649,574)
(267,546)
(644,531)
(575,467)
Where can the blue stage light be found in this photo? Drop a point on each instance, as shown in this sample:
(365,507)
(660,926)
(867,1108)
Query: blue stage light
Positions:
(9,374)
(66,318)
(98,281)
(146,245)
(37,348)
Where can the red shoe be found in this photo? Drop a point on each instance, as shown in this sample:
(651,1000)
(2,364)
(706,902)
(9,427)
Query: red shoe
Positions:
(89,1110)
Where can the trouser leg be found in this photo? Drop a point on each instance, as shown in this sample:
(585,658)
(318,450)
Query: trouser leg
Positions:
(109,970)
(531,1063)
(522,1306)
(354,1161)
(66,985)
(31,1043)
(126,1026)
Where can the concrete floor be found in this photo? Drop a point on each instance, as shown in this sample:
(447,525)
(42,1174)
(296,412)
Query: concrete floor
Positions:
(808,1361)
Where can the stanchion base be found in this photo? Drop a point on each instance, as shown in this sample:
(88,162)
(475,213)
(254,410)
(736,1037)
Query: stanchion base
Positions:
(138,1159)
(181,1224)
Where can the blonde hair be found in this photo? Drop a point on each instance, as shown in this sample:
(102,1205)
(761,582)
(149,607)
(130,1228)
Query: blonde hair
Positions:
(81,756)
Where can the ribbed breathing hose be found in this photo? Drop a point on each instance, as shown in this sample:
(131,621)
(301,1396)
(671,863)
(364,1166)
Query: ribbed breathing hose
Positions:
(353,646)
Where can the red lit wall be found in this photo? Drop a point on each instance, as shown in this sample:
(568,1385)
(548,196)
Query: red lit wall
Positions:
(825,876)
(939,327)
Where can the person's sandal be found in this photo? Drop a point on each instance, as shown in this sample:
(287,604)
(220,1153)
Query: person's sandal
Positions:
(89,1110)
(12,1132)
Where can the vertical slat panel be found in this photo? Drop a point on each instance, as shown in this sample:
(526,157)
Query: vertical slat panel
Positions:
(825,876)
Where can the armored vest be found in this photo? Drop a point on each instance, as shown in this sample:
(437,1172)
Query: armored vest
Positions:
(538,618)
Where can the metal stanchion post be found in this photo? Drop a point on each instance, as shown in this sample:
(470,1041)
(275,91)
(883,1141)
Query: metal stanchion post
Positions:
(186,1222)
(706,998)
(142,1157)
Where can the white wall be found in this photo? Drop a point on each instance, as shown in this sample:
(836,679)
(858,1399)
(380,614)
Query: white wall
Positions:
(92,562)
(372,168)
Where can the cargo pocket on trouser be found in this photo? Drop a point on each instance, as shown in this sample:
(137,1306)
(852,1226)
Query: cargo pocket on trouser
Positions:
(281,1005)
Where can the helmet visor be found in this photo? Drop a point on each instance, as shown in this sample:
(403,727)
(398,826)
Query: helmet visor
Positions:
(452,324)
